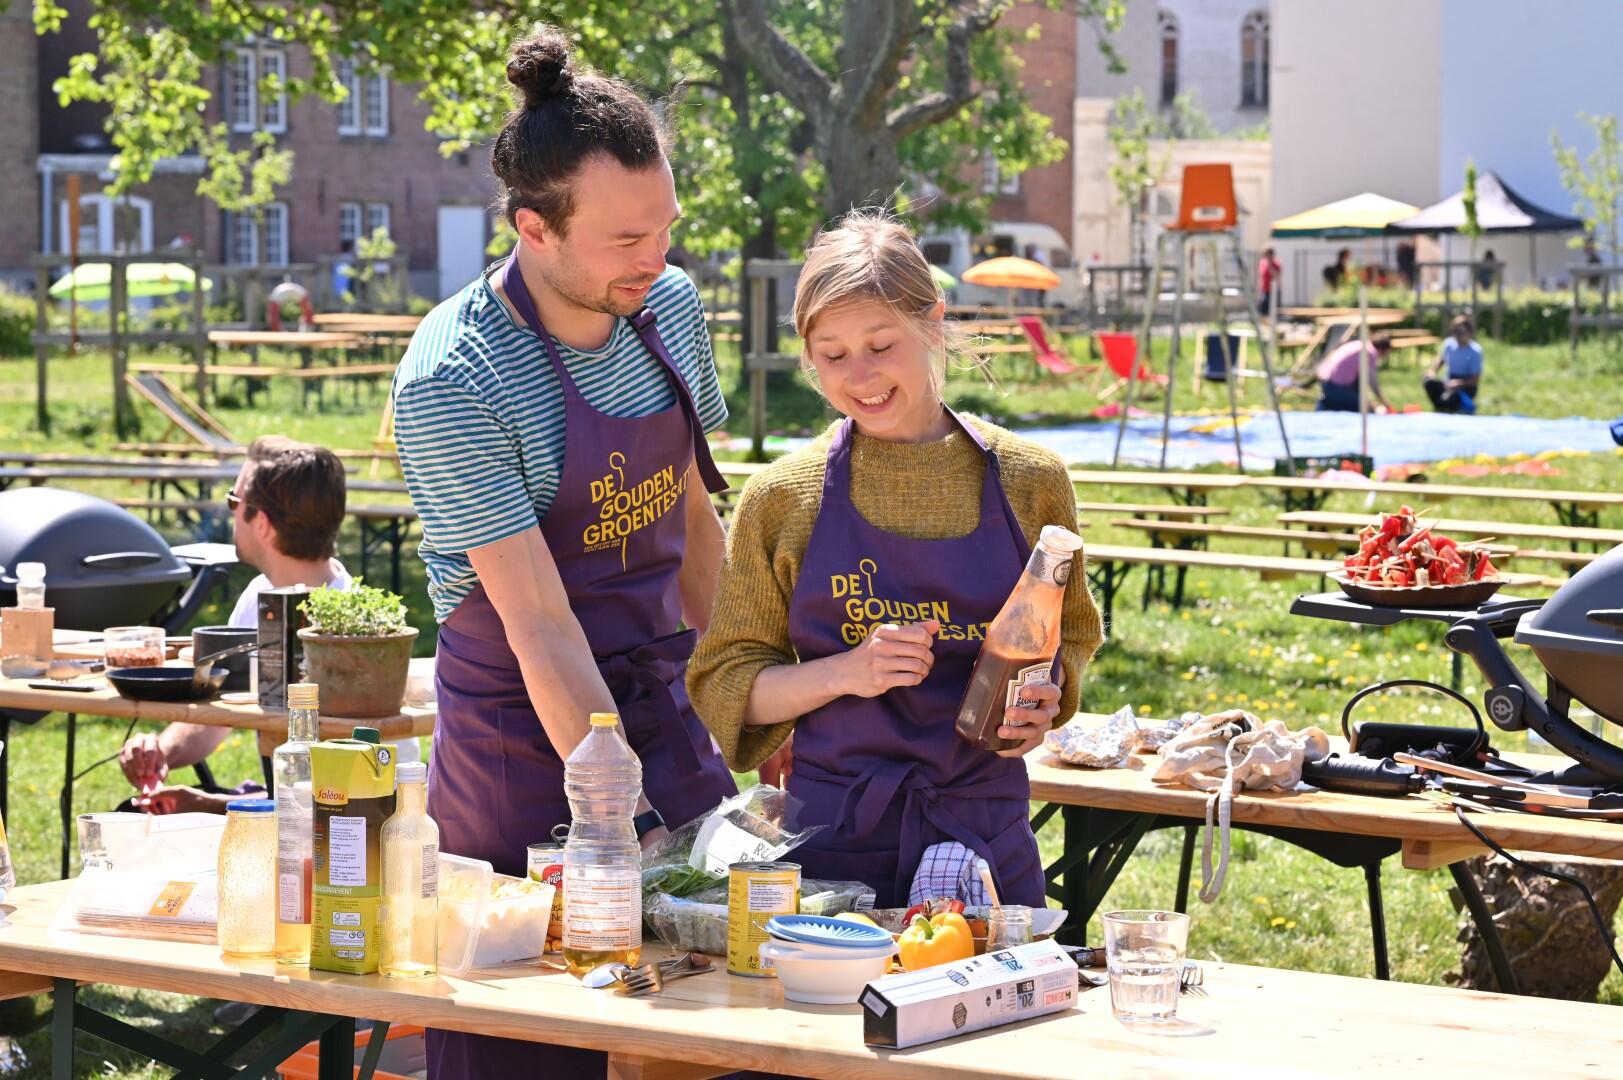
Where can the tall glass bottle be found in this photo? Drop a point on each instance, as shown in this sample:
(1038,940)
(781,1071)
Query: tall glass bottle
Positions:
(411,860)
(295,817)
(1022,641)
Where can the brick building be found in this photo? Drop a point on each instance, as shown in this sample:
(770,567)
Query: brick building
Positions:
(364,163)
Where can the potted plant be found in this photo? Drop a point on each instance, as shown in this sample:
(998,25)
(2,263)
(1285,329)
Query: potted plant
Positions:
(357,648)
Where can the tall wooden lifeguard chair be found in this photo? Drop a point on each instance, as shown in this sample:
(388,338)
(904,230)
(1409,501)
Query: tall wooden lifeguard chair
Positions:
(1208,220)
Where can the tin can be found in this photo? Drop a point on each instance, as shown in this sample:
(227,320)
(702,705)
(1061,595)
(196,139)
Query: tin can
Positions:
(756,891)
(546,863)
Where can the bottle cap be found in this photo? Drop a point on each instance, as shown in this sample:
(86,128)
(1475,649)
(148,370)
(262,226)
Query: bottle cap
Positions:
(251,806)
(605,719)
(367,734)
(30,573)
(1058,538)
(303,695)
(411,772)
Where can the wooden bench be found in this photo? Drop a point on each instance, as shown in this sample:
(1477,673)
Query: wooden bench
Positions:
(1180,533)
(1465,527)
(1109,565)
(1170,511)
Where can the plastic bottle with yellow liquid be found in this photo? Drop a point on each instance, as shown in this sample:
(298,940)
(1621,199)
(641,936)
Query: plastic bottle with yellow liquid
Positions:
(408,941)
(295,817)
(602,859)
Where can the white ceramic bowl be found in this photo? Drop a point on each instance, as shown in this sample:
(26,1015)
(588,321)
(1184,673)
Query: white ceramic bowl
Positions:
(821,975)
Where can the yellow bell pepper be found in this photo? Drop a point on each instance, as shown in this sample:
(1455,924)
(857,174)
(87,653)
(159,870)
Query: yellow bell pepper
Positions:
(941,939)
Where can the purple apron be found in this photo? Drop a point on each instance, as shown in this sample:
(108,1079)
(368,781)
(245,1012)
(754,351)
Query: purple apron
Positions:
(616,530)
(889,774)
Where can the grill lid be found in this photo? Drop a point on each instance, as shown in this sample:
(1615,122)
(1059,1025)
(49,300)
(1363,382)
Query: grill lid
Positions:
(84,542)
(1585,614)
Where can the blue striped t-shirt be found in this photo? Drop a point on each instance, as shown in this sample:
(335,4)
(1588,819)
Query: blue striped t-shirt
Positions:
(479,415)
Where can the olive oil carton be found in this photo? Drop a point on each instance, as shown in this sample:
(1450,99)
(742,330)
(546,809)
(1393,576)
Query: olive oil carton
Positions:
(353,784)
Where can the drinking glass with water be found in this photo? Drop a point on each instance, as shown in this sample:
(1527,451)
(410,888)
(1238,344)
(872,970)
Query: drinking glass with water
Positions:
(1144,952)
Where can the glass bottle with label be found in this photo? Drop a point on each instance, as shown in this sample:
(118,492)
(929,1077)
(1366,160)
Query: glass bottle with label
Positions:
(247,868)
(1021,642)
(408,940)
(295,816)
(602,860)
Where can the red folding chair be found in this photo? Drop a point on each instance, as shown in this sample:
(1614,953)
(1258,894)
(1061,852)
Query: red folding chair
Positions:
(1121,357)
(1048,358)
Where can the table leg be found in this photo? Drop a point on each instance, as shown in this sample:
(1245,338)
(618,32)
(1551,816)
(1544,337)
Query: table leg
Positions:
(374,1049)
(1377,921)
(65,802)
(62,1008)
(337,1050)
(1483,918)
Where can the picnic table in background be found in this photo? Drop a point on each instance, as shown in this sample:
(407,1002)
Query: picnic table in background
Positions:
(1106,812)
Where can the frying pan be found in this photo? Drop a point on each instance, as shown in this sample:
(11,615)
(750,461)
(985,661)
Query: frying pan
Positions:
(199,681)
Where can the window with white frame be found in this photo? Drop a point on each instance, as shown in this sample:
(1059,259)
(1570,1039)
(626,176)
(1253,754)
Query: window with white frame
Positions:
(241,239)
(275,225)
(376,105)
(349,109)
(1254,60)
(349,225)
(993,182)
(273,107)
(1169,57)
(241,90)
(377,217)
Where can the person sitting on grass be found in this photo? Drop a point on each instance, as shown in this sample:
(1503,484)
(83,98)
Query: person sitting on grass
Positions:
(1462,356)
(286,507)
(1338,375)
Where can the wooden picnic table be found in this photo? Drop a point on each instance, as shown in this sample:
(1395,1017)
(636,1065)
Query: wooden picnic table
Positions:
(1105,812)
(283,339)
(1191,489)
(364,322)
(1567,534)
(16,695)
(1109,565)
(1163,510)
(1309,1024)
(1179,533)
(1575,508)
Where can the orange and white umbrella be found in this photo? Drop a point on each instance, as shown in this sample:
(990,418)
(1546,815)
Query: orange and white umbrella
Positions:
(1011,272)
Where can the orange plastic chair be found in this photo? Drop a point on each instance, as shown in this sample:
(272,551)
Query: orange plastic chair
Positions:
(1050,359)
(1206,203)
(1121,356)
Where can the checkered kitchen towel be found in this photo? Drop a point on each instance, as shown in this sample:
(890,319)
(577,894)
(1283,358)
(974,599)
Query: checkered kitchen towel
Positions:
(948,870)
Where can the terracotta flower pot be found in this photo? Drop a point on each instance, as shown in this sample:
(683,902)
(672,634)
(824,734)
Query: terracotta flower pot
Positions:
(360,677)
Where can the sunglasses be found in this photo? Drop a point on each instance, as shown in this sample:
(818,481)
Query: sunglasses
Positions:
(233,501)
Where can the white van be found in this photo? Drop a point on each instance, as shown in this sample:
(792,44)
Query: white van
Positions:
(955,251)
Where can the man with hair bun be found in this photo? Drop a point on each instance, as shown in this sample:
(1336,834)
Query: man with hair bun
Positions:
(551,421)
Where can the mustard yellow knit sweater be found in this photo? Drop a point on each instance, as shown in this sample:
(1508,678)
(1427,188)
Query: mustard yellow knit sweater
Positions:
(917,490)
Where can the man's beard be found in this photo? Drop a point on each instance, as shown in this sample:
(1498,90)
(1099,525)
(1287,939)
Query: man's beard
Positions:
(567,284)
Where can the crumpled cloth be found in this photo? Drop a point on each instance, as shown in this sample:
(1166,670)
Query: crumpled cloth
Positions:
(1108,745)
(1234,751)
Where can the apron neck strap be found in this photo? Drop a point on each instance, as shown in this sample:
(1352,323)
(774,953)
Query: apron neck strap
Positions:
(518,294)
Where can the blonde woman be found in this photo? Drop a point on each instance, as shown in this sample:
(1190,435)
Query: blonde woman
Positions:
(860,575)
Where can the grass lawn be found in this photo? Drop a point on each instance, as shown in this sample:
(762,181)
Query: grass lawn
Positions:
(1231,644)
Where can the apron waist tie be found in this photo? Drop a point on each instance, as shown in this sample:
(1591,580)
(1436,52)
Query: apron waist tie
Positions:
(641,668)
(873,791)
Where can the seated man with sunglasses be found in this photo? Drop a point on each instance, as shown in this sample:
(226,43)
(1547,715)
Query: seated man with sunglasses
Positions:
(286,508)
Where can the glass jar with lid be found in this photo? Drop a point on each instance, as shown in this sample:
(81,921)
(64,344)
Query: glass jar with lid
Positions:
(247,910)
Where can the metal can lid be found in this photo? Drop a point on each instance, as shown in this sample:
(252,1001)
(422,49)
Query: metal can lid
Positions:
(763,867)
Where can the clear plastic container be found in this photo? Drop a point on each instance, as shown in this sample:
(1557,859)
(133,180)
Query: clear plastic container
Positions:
(247,912)
(133,646)
(487,918)
(602,859)
(31,585)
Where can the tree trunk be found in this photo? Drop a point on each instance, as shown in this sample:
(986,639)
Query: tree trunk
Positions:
(1549,935)
(864,168)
